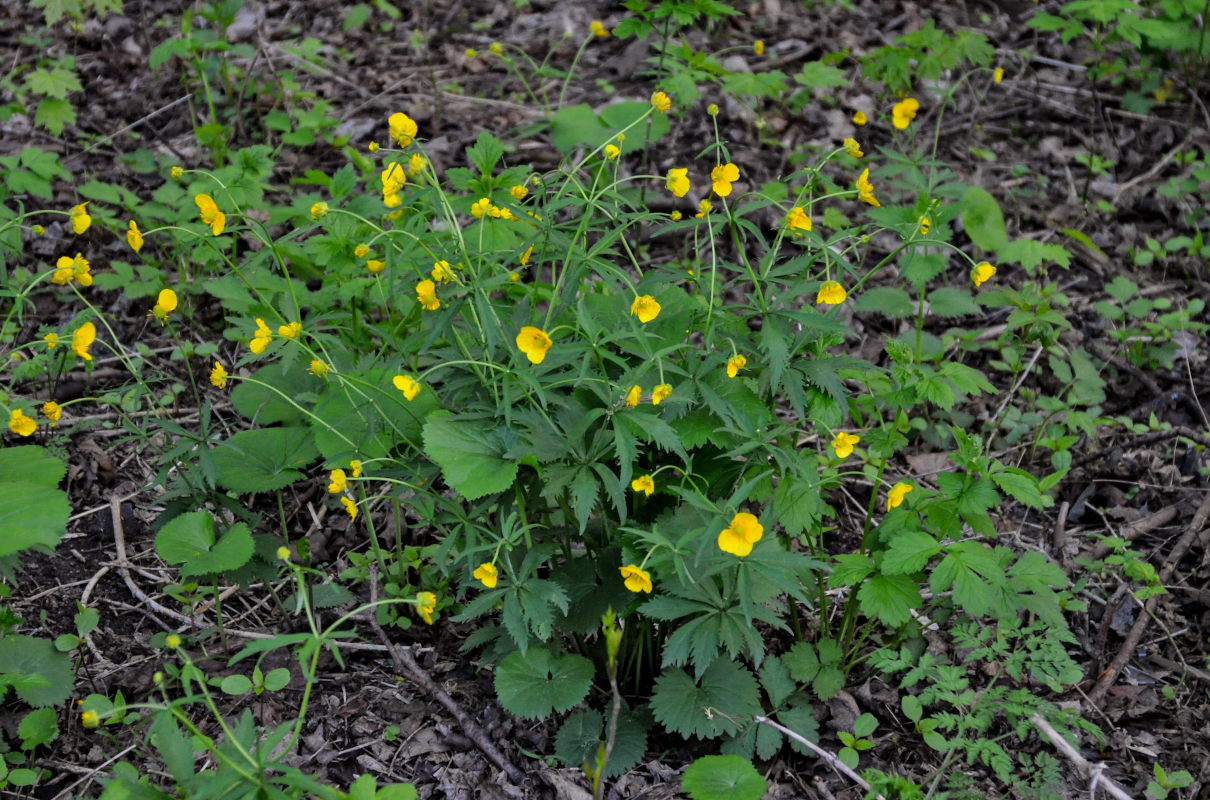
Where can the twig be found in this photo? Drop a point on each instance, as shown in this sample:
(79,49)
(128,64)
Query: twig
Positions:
(1092,772)
(1146,438)
(819,751)
(1155,169)
(1136,529)
(1140,625)
(402,657)
(120,131)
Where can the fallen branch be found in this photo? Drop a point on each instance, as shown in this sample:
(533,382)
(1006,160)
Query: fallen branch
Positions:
(819,751)
(1092,772)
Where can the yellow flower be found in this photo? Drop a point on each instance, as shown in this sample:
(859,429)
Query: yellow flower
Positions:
(903,112)
(372,147)
(661,102)
(704,207)
(612,151)
(894,498)
(860,118)
(496,48)
(355,466)
(134,238)
(262,337)
(843,444)
(375,266)
(210,214)
(722,177)
(176,172)
(675,216)
(487,574)
(403,128)
(865,190)
(52,340)
(416,164)
(291,331)
(90,719)
(394,178)
(172,641)
(283,553)
(471,52)
(20,424)
(644,484)
(53,411)
(480,207)
(514,277)
(80,221)
(758,47)
(318,368)
(441,271)
(518,192)
(37,229)
(63,271)
(637,579)
(998,75)
(660,393)
(338,482)
(735,364)
(350,507)
(524,258)
(319,210)
(408,385)
(831,293)
(744,531)
(80,270)
(533,342)
(164,305)
(678,182)
(645,308)
(853,147)
(426,604)
(634,395)
(598,28)
(982,273)
(218,376)
(925,224)
(82,339)
(797,219)
(426,294)
(712,109)
(362,250)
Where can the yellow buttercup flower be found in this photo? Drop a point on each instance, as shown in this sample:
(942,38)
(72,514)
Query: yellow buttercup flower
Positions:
(738,538)
(797,219)
(338,482)
(80,221)
(758,47)
(372,147)
(496,48)
(634,395)
(408,385)
(218,376)
(894,498)
(52,340)
(612,151)
(524,259)
(865,190)
(859,118)
(675,216)
(164,305)
(176,172)
(661,102)
(644,484)
(712,109)
(394,178)
(350,507)
(262,337)
(426,294)
(403,128)
(416,164)
(903,112)
(134,238)
(925,224)
(53,411)
(637,579)
(426,604)
(735,364)
(982,273)
(998,75)
(722,177)
(355,466)
(678,181)
(375,266)
(210,214)
(843,444)
(283,553)
(831,293)
(82,339)
(90,719)
(481,207)
(660,393)
(533,342)
(38,229)
(853,147)
(362,250)
(20,424)
(645,308)
(471,52)
(318,368)
(319,210)
(519,192)
(598,28)
(441,271)
(704,207)
(172,641)
(487,574)
(290,331)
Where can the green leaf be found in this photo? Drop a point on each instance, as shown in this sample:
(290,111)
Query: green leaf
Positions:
(54,114)
(776,680)
(723,778)
(236,684)
(264,459)
(29,656)
(192,541)
(55,10)
(38,727)
(983,219)
(535,684)
(622,115)
(1022,486)
(1029,254)
(850,569)
(890,598)
(33,510)
(707,708)
(371,422)
(950,301)
(470,456)
(890,301)
(579,737)
(485,153)
(818,75)
(30,463)
(909,552)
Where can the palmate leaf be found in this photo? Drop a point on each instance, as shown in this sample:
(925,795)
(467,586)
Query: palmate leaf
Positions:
(583,732)
(707,707)
(723,778)
(535,684)
(29,656)
(192,541)
(890,598)
(470,455)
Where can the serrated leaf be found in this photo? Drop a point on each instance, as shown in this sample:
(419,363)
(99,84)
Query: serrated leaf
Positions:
(950,301)
(579,737)
(776,680)
(890,301)
(723,778)
(1022,486)
(470,457)
(983,220)
(818,75)
(706,709)
(264,459)
(27,655)
(910,551)
(192,541)
(54,114)
(890,598)
(31,516)
(38,727)
(535,684)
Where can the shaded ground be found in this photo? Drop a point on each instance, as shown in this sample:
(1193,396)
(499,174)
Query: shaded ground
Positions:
(1044,113)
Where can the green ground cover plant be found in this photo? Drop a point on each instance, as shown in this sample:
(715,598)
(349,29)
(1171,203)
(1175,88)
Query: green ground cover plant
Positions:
(629,422)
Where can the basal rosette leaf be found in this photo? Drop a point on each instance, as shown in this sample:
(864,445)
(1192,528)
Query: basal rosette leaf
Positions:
(537,683)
